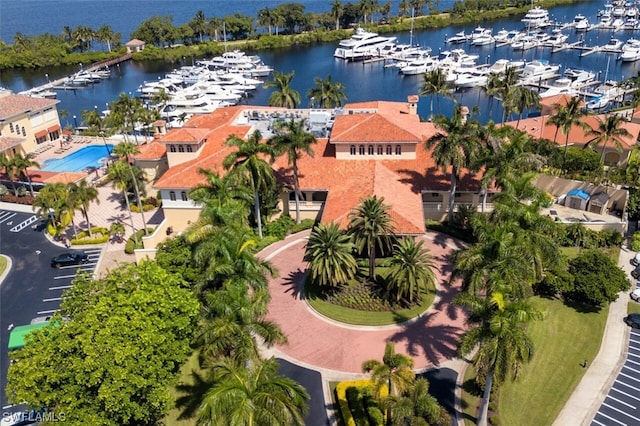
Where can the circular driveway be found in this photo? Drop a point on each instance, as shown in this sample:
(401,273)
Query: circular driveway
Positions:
(429,340)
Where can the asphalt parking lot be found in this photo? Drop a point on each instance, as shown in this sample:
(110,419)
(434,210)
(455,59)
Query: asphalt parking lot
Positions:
(32,288)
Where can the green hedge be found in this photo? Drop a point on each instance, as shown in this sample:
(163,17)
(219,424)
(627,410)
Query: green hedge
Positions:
(131,245)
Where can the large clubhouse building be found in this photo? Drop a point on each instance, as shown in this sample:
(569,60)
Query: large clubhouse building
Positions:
(370,148)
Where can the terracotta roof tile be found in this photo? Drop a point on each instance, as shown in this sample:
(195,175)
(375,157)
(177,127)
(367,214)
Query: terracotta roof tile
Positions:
(65,177)
(184,134)
(12,105)
(7,142)
(369,128)
(152,151)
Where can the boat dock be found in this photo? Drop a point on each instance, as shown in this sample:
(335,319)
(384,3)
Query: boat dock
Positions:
(60,84)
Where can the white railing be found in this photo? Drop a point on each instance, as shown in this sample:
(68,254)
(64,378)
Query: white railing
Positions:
(442,207)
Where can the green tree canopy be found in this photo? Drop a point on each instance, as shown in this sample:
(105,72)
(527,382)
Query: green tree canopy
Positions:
(113,361)
(597,279)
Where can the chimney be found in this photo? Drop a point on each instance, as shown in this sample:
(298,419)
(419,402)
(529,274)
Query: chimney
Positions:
(413,104)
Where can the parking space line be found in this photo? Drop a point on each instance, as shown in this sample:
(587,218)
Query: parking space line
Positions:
(632,362)
(595,421)
(621,402)
(625,394)
(47,312)
(53,299)
(60,287)
(619,411)
(611,418)
(19,227)
(625,384)
(632,369)
(4,219)
(64,276)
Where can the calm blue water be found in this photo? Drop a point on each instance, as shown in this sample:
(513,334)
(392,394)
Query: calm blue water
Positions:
(85,157)
(362,82)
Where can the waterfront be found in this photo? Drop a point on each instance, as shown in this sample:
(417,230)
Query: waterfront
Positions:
(362,81)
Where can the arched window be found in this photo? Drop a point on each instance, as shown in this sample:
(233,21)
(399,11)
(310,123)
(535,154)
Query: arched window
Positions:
(172,195)
(183,195)
(180,148)
(189,148)
(352,150)
(389,152)
(172,148)
(398,149)
(380,150)
(361,149)
(370,150)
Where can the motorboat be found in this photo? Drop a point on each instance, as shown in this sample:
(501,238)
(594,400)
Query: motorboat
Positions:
(561,86)
(482,34)
(617,24)
(501,66)
(536,17)
(189,103)
(458,38)
(231,59)
(613,45)
(598,103)
(361,44)
(474,78)
(631,24)
(483,40)
(538,70)
(557,39)
(579,78)
(419,66)
(630,51)
(525,43)
(452,59)
(580,22)
(502,36)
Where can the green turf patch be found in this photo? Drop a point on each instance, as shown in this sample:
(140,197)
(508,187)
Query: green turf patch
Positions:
(3,264)
(633,307)
(563,340)
(361,303)
(185,378)
(573,252)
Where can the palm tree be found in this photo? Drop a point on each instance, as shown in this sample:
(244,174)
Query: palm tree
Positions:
(416,407)
(120,176)
(51,203)
(266,18)
(565,118)
(283,95)
(403,8)
(371,226)
(232,320)
(6,164)
(117,230)
(330,254)
(248,163)
(161,97)
(394,373)
(522,98)
(83,195)
(291,139)
(454,145)
(126,151)
(198,23)
(252,396)
(106,35)
(500,338)
(21,164)
(435,84)
(337,10)
(411,270)
(326,94)
(609,129)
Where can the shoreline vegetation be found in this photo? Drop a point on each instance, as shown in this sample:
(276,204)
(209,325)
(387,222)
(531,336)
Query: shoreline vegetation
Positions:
(201,37)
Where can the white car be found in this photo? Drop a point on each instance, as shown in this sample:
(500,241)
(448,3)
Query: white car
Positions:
(635,295)
(636,259)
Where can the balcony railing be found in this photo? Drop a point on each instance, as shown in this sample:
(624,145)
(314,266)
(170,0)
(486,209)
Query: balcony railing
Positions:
(442,207)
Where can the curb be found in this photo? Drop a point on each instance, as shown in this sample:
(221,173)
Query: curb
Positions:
(7,269)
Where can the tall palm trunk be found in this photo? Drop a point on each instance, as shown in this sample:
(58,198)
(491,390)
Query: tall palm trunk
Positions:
(372,262)
(256,207)
(296,188)
(484,405)
(135,187)
(452,194)
(133,227)
(604,148)
(564,156)
(86,217)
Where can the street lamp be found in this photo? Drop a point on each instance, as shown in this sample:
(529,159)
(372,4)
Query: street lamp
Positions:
(47,76)
(75,123)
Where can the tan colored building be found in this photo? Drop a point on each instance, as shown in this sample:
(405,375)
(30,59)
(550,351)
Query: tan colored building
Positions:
(27,122)
(370,148)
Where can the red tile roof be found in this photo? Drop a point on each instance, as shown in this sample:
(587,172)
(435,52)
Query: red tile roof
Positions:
(7,142)
(151,151)
(185,135)
(537,127)
(369,128)
(12,105)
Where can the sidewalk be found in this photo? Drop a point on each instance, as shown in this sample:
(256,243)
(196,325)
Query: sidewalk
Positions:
(594,386)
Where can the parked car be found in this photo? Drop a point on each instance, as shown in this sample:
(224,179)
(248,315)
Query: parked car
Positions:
(38,320)
(632,320)
(636,272)
(635,295)
(70,258)
(636,259)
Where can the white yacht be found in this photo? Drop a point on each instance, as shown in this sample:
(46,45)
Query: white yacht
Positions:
(231,59)
(557,39)
(579,78)
(480,33)
(613,45)
(502,36)
(188,103)
(630,51)
(580,22)
(598,103)
(536,17)
(474,77)
(458,38)
(501,65)
(419,66)
(538,70)
(361,44)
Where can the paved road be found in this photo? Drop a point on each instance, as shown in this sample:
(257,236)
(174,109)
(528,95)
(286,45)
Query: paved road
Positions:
(32,288)
(312,382)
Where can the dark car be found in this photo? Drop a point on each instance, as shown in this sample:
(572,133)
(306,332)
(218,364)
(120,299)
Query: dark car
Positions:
(632,320)
(71,258)
(636,272)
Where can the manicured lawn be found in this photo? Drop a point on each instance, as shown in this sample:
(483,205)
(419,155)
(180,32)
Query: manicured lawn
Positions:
(562,341)
(571,252)
(185,377)
(633,307)
(3,264)
(362,317)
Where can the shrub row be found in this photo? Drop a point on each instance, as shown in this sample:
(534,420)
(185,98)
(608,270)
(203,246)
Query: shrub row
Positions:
(131,245)
(285,225)
(12,198)
(343,403)
(100,235)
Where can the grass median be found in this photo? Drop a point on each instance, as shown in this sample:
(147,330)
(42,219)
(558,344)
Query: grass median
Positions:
(3,264)
(563,340)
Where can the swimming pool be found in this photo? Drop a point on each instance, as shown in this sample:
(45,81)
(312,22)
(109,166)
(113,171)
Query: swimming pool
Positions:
(88,156)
